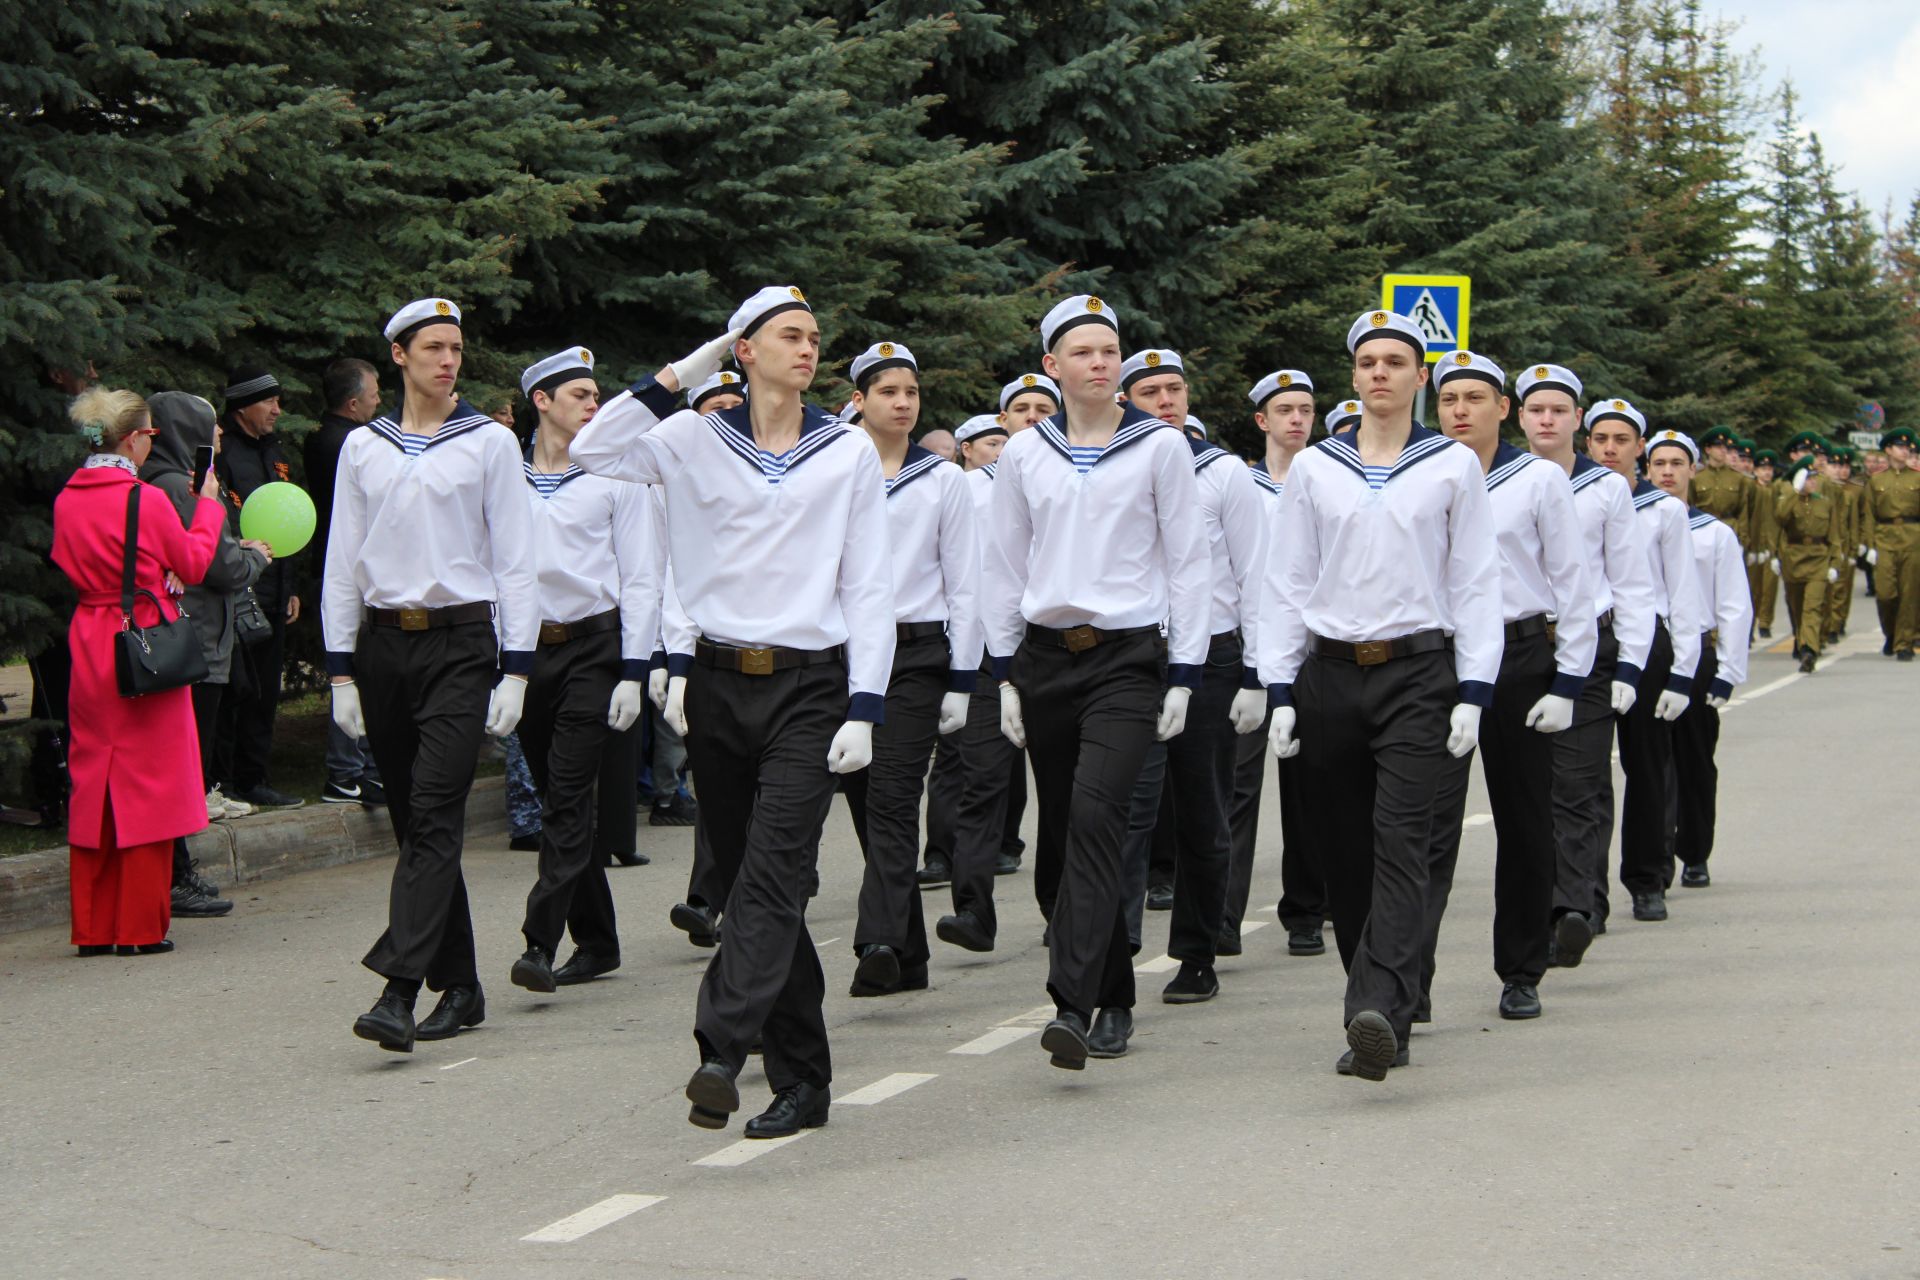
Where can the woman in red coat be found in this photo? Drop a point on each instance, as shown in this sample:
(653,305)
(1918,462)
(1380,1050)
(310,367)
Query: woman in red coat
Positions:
(135,761)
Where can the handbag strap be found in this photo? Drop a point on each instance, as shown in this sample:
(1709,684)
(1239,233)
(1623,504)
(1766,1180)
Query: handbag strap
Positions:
(126,572)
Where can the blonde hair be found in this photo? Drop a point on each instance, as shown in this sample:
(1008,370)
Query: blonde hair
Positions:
(106,417)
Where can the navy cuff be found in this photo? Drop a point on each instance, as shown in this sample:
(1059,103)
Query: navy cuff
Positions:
(1627,673)
(1476,693)
(1680,684)
(634,668)
(679,664)
(1566,686)
(650,393)
(1000,666)
(1279,695)
(1184,675)
(658,659)
(962,681)
(1250,678)
(339,664)
(871,707)
(1720,689)
(516,662)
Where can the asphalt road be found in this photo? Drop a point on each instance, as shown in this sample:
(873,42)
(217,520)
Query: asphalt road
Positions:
(1730,1093)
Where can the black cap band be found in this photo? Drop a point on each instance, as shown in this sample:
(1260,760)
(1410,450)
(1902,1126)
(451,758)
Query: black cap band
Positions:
(878,367)
(1067,326)
(405,335)
(765,316)
(1612,416)
(554,381)
(1547,384)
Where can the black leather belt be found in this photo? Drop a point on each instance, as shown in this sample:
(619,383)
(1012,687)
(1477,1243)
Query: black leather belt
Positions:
(561,632)
(1606,619)
(1711,639)
(1081,639)
(1224,640)
(763,661)
(1371,653)
(1522,628)
(452,615)
(910,632)
(1895,519)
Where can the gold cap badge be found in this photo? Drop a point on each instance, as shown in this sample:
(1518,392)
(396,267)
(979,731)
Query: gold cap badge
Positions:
(1377,319)
(886,349)
(1462,358)
(443,308)
(586,357)
(1540,372)
(1094,305)
(797,295)
(1028,380)
(1153,359)
(1286,380)
(1619,406)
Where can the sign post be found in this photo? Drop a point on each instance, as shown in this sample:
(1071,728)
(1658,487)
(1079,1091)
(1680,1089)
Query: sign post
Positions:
(1440,305)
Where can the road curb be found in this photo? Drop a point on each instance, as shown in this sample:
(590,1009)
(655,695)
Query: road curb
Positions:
(265,846)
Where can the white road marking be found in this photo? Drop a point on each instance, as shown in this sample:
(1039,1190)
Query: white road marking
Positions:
(1248,926)
(1038,1016)
(1477,820)
(591,1218)
(463,1062)
(886,1087)
(747,1149)
(1160,964)
(829,942)
(998,1038)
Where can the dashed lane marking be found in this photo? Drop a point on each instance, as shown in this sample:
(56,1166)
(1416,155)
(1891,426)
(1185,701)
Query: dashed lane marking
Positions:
(747,1149)
(590,1219)
(1477,820)
(463,1062)
(998,1038)
(886,1087)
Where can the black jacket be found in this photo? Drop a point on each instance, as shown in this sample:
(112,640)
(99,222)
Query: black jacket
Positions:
(244,465)
(321,453)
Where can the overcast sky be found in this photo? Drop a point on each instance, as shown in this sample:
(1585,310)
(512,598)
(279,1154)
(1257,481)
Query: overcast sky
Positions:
(1854,63)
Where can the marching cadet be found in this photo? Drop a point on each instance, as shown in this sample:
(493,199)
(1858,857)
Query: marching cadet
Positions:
(1672,462)
(1892,535)
(1764,575)
(979,440)
(1283,411)
(777,531)
(1097,539)
(1027,401)
(1552,630)
(936,662)
(1622,586)
(1852,496)
(1813,542)
(1720,490)
(1343,417)
(428,608)
(1379,634)
(598,584)
(1616,436)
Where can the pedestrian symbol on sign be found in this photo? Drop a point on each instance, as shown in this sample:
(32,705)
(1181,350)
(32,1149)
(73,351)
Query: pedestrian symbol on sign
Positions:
(1426,314)
(1437,304)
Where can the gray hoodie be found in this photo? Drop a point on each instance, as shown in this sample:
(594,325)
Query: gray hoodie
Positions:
(185,423)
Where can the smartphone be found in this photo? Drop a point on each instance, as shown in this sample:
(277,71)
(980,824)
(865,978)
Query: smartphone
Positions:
(202,463)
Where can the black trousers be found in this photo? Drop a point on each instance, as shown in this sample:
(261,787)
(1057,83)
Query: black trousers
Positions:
(758,745)
(944,785)
(1583,791)
(1519,772)
(1374,743)
(1090,719)
(993,798)
(1646,758)
(1196,786)
(1696,736)
(244,746)
(1303,887)
(206,721)
(885,801)
(564,732)
(424,694)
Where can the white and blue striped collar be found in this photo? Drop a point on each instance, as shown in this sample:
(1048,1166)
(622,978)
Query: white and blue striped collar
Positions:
(1646,493)
(919,461)
(1264,478)
(990,468)
(1135,425)
(1698,519)
(1204,454)
(1507,462)
(1421,445)
(548,481)
(818,429)
(463,419)
(1586,471)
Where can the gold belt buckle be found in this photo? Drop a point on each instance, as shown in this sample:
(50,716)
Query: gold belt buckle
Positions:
(756,662)
(1079,639)
(1371,653)
(1553,632)
(413,620)
(553,633)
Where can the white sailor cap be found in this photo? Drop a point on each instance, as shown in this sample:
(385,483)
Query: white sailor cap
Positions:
(979,426)
(1150,363)
(1469,364)
(726,382)
(418,314)
(879,358)
(1276,382)
(1621,410)
(849,413)
(1029,382)
(1343,414)
(1549,377)
(1385,324)
(1194,424)
(764,306)
(564,366)
(1679,439)
(1081,308)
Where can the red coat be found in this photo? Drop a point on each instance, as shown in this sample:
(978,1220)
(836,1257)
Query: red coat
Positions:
(145,749)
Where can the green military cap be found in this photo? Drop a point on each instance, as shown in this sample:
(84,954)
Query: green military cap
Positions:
(1765,455)
(1800,464)
(1804,440)
(1744,444)
(1900,435)
(1718,435)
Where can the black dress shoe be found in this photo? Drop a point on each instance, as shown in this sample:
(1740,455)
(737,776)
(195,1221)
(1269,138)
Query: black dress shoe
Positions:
(1228,943)
(388,1024)
(963,930)
(696,922)
(878,973)
(1650,906)
(159,948)
(88,951)
(713,1094)
(1194,984)
(1905,655)
(1808,661)
(1766,633)
(584,966)
(676,811)
(1519,1000)
(1598,921)
(1306,940)
(534,971)
(1345,1065)
(1694,876)
(524,844)
(1112,1028)
(937,874)
(1159,897)
(1006,864)
(796,1107)
(1572,935)
(628,858)
(1065,1038)
(459,1008)
(1553,952)
(1370,1037)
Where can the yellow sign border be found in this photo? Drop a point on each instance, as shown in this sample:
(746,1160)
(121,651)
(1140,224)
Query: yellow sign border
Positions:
(1462,283)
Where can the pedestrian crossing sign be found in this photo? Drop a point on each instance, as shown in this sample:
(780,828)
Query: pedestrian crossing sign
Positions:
(1438,304)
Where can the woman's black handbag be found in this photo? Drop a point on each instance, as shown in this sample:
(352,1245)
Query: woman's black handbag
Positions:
(166,655)
(250,623)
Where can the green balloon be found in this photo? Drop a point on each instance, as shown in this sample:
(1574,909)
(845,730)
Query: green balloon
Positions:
(280,515)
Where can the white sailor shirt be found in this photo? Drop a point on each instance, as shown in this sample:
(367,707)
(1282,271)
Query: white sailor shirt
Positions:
(425,522)
(1236,536)
(1121,544)
(936,556)
(1543,562)
(1616,562)
(595,550)
(980,486)
(787,551)
(1676,585)
(1722,569)
(1351,562)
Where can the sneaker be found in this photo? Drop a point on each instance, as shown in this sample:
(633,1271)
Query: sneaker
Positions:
(372,794)
(678,811)
(340,793)
(265,797)
(189,901)
(221,805)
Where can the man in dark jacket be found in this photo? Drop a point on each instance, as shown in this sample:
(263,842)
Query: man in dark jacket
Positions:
(250,457)
(351,390)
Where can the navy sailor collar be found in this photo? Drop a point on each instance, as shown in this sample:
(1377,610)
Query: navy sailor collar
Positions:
(918,462)
(1697,519)
(1586,471)
(734,426)
(1507,462)
(573,472)
(1421,445)
(1135,426)
(1647,493)
(1204,454)
(463,419)
(1264,478)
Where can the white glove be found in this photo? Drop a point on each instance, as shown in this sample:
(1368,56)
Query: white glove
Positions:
(852,748)
(1715,701)
(624,708)
(1248,710)
(504,707)
(1012,727)
(1280,736)
(704,361)
(1776,566)
(1173,714)
(1873,557)
(1463,730)
(1624,696)
(1800,479)
(1861,551)
(953,712)
(675,712)
(657,688)
(1671,705)
(346,711)
(1551,714)
(1833,575)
